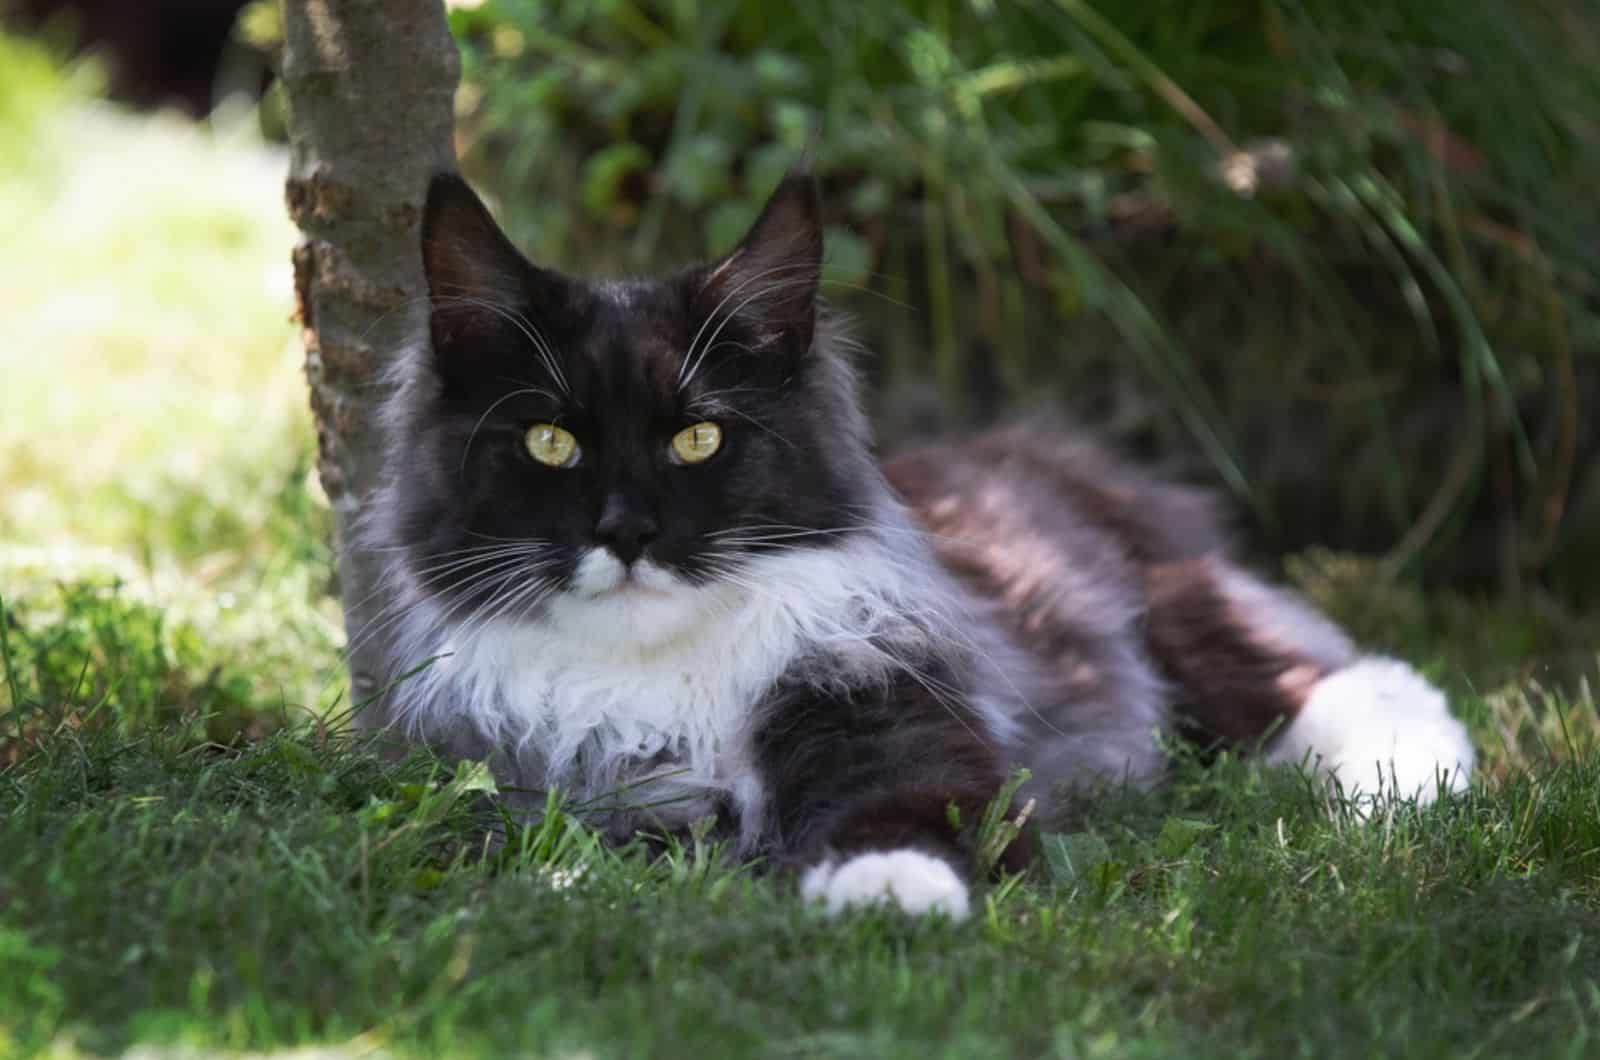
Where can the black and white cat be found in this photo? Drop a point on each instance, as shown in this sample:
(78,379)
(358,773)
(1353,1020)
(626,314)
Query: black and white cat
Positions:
(642,534)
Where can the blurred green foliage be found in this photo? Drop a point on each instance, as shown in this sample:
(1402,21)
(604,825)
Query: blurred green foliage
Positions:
(1346,252)
(163,550)
(118,662)
(34,84)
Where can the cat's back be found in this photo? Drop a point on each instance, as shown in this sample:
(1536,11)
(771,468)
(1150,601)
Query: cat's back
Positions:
(1055,535)
(1045,479)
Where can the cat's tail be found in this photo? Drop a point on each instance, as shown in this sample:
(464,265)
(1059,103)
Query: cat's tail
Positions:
(1256,667)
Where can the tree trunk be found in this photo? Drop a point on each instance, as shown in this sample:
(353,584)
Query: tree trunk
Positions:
(370,85)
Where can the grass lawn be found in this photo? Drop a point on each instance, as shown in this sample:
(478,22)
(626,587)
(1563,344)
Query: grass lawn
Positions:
(195,857)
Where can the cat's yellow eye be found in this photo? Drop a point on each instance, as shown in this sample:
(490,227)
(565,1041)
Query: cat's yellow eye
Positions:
(552,446)
(697,443)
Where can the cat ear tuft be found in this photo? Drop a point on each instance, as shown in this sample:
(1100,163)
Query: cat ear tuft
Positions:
(771,277)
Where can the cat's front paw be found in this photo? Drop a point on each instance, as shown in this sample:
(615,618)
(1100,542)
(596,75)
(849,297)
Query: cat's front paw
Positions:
(908,879)
(1380,730)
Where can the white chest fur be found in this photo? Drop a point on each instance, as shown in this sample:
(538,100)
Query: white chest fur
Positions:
(612,685)
(600,688)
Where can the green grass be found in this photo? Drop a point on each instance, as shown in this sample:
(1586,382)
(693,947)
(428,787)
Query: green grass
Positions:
(165,891)
(195,857)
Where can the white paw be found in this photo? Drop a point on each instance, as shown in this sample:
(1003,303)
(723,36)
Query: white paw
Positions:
(1382,731)
(913,881)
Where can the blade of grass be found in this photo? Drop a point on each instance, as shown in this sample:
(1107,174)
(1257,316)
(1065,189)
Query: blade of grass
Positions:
(13,686)
(1110,38)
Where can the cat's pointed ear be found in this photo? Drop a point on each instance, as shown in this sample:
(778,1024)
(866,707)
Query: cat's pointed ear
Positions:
(771,277)
(464,252)
(476,278)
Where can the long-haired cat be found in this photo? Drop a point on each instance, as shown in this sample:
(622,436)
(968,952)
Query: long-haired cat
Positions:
(645,553)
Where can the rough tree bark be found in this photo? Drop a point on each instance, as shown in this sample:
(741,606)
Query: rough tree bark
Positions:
(370,85)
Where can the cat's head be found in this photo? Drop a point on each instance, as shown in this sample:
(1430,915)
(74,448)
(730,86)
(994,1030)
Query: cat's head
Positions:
(618,448)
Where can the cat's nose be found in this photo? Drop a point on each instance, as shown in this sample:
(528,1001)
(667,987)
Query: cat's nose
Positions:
(624,528)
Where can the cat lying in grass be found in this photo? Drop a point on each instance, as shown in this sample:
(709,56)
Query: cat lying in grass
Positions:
(639,529)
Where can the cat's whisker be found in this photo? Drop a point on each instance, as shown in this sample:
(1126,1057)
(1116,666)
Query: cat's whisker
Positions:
(726,320)
(433,577)
(535,336)
(946,695)
(542,542)
(507,567)
(822,280)
(499,606)
(494,585)
(529,329)
(471,552)
(797,529)
(466,450)
(527,609)
(729,296)
(771,538)
(396,567)
(401,601)
(691,361)
(531,385)
(524,604)
(734,410)
(722,394)
(949,627)
(425,576)
(878,529)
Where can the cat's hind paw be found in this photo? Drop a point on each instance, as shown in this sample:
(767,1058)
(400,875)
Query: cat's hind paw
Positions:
(907,879)
(1382,732)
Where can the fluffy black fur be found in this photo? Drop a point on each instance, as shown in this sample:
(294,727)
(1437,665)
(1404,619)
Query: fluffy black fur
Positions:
(618,350)
(895,638)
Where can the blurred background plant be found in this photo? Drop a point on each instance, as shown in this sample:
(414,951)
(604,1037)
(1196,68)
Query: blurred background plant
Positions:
(1343,252)
(162,548)
(1337,259)
(1285,237)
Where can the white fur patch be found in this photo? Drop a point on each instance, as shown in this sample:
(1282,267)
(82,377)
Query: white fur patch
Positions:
(908,879)
(634,609)
(624,677)
(1383,731)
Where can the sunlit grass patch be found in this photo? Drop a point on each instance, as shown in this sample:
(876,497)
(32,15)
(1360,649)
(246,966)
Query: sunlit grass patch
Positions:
(91,642)
(148,356)
(159,522)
